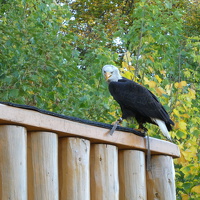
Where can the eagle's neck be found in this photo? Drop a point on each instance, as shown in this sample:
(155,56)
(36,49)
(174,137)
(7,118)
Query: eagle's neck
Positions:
(115,78)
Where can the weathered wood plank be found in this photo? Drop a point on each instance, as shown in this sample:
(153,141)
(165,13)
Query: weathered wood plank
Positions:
(13,172)
(74,169)
(42,166)
(33,120)
(132,175)
(104,172)
(161,179)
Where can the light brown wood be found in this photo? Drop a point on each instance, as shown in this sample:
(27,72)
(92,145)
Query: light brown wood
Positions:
(33,120)
(13,172)
(74,171)
(42,166)
(161,179)
(132,175)
(104,172)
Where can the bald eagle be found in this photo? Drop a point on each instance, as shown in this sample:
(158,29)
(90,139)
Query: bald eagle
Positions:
(137,101)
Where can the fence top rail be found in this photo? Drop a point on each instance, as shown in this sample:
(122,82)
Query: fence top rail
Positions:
(36,121)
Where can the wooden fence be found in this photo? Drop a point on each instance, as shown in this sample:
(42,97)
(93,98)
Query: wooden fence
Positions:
(43,157)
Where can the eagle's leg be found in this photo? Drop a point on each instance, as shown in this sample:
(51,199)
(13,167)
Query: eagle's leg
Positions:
(118,121)
(141,129)
(115,125)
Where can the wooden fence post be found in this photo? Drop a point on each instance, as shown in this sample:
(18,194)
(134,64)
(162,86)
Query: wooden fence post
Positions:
(161,179)
(13,171)
(42,166)
(132,175)
(104,172)
(74,168)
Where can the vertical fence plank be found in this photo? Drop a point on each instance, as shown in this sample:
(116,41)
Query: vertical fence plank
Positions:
(74,168)
(132,175)
(13,171)
(104,172)
(161,179)
(42,166)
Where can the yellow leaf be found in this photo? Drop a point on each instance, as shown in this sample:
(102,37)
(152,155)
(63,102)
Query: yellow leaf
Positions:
(152,84)
(190,154)
(30,92)
(124,64)
(182,125)
(176,85)
(160,91)
(146,80)
(150,69)
(176,112)
(151,58)
(128,75)
(163,72)
(158,78)
(130,68)
(178,103)
(196,189)
(185,115)
(182,159)
(180,84)
(168,88)
(185,196)
(192,93)
(127,57)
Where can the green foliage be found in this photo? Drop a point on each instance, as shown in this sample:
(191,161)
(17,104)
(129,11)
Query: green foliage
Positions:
(52,54)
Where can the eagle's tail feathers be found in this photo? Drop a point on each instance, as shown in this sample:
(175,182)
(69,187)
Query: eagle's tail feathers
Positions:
(162,127)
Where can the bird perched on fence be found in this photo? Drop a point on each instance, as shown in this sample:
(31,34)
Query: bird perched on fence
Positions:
(137,101)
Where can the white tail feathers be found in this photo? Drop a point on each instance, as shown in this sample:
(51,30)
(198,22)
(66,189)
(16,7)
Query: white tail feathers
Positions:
(162,127)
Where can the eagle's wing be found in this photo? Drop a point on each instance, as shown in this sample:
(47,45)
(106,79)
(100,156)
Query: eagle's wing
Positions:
(137,99)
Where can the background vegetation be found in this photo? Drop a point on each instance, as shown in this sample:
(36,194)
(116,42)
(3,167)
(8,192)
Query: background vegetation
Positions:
(52,54)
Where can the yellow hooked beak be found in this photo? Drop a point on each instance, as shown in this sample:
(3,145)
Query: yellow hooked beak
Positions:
(107,75)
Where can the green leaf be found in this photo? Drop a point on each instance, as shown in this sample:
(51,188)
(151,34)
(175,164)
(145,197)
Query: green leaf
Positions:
(13,93)
(196,133)
(180,134)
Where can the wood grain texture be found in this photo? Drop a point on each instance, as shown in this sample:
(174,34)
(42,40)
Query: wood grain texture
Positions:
(42,166)
(13,172)
(132,175)
(36,121)
(104,172)
(74,168)
(161,179)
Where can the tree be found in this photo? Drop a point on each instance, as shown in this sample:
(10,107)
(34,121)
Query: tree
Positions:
(52,55)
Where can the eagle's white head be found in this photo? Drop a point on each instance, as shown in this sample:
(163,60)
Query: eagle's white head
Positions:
(111,73)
